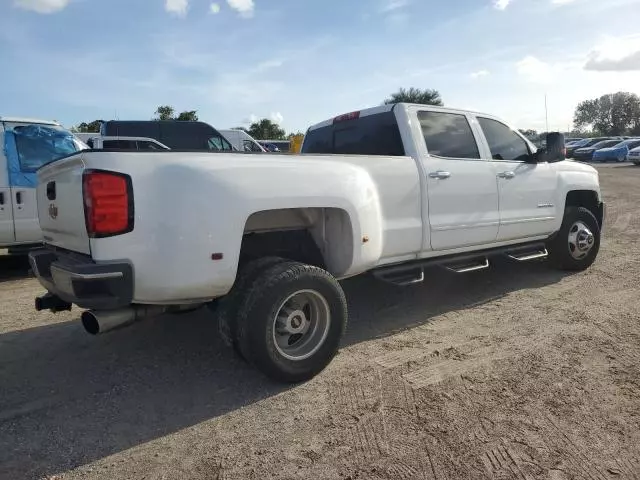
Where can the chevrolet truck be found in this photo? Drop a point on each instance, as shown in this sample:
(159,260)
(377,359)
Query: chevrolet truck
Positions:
(389,190)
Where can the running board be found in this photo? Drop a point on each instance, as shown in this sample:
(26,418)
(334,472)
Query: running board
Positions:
(401,278)
(530,255)
(469,266)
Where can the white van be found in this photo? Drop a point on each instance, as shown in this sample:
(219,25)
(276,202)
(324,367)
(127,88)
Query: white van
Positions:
(27,144)
(97,142)
(242,141)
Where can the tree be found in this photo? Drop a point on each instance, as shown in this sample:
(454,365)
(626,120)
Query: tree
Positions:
(530,134)
(612,114)
(415,95)
(265,129)
(164,112)
(189,116)
(84,127)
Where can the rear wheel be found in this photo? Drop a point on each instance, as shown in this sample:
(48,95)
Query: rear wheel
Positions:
(576,245)
(291,320)
(228,306)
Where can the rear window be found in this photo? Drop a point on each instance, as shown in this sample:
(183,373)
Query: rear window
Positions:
(119,145)
(369,135)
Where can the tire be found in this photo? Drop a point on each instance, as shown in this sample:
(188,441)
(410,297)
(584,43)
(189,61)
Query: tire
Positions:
(561,252)
(315,303)
(227,307)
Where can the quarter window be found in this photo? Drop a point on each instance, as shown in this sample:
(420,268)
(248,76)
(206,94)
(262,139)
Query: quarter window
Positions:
(504,143)
(448,135)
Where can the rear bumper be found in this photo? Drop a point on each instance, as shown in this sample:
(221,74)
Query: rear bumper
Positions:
(78,279)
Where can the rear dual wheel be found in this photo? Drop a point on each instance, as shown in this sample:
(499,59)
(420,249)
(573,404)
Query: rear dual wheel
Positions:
(285,318)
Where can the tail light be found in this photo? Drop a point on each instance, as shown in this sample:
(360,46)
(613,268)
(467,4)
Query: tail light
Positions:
(108,203)
(346,117)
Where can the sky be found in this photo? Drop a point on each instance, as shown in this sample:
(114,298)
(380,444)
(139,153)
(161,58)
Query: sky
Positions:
(300,62)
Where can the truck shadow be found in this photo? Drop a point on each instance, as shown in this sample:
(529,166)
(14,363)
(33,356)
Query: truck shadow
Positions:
(14,267)
(67,399)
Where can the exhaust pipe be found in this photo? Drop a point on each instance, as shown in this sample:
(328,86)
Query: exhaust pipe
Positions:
(51,302)
(102,321)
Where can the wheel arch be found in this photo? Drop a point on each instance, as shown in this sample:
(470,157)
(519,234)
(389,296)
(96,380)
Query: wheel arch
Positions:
(589,199)
(325,237)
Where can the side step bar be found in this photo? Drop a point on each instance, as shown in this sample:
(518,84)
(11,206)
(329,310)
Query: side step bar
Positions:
(411,273)
(467,267)
(524,256)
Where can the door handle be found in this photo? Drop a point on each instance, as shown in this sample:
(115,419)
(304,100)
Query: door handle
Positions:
(507,175)
(440,175)
(19,198)
(1,198)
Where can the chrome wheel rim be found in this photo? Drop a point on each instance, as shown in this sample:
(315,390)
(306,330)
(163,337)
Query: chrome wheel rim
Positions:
(581,240)
(301,325)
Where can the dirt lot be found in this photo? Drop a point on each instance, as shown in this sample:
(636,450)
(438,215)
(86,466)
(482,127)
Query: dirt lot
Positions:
(516,372)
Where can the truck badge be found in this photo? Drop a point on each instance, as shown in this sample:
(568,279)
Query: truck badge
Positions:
(53,211)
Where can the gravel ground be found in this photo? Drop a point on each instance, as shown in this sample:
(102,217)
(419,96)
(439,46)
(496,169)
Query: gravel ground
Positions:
(515,372)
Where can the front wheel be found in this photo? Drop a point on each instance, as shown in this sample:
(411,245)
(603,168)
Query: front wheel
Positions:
(577,243)
(291,320)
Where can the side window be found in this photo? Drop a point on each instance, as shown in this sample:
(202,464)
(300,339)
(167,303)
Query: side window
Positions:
(504,143)
(119,145)
(218,143)
(249,146)
(448,135)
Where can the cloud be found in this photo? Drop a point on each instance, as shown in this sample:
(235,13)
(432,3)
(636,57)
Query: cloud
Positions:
(501,4)
(561,2)
(244,7)
(534,69)
(276,117)
(250,119)
(42,6)
(480,73)
(177,7)
(392,5)
(214,8)
(615,54)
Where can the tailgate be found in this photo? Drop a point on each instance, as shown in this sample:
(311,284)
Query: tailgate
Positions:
(61,205)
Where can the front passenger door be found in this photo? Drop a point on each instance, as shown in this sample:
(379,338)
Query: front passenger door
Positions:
(528,204)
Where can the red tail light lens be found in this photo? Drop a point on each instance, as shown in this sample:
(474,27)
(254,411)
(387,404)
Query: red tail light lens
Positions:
(108,203)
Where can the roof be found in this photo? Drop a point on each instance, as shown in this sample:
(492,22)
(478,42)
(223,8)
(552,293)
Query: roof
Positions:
(387,108)
(28,120)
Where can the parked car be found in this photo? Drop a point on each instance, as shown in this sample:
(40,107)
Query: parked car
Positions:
(388,190)
(275,145)
(175,134)
(634,155)
(98,142)
(617,153)
(584,143)
(242,141)
(585,154)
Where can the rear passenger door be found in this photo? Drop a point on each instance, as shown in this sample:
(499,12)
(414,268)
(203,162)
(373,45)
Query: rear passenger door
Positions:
(528,203)
(6,211)
(462,193)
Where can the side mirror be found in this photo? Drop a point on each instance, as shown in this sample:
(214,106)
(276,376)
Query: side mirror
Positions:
(555,150)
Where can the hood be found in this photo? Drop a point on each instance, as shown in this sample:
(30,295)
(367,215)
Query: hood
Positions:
(573,166)
(585,150)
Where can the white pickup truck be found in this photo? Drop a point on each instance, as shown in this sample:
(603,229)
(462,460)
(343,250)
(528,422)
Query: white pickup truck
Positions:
(389,190)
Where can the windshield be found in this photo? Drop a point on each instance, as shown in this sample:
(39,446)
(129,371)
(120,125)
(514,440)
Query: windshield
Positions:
(38,145)
(604,144)
(631,143)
